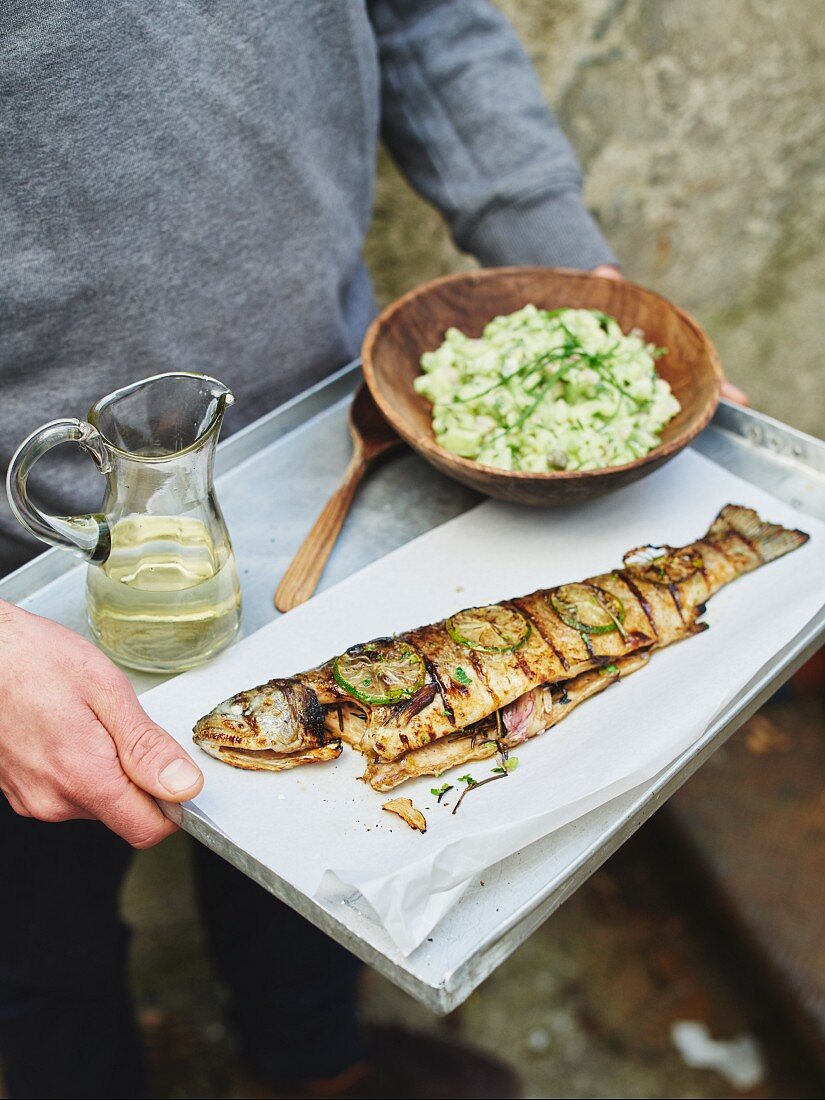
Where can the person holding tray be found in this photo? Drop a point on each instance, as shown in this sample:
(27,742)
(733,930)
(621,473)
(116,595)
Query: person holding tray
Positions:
(188,186)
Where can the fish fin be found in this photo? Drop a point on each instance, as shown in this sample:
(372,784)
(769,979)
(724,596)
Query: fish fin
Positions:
(769,540)
(268,761)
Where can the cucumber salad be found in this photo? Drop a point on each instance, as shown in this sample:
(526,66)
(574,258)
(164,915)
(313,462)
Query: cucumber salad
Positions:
(544,390)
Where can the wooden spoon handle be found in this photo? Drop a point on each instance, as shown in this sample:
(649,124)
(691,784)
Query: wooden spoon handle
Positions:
(305,569)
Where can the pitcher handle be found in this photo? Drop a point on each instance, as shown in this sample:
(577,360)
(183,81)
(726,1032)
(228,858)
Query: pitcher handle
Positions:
(87,536)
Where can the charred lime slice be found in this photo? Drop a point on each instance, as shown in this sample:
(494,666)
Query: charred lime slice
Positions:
(379,673)
(589,608)
(662,564)
(493,629)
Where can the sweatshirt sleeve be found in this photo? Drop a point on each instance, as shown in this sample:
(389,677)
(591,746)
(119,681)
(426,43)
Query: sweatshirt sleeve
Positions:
(464,117)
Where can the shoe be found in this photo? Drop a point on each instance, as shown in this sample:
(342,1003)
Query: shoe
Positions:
(409,1065)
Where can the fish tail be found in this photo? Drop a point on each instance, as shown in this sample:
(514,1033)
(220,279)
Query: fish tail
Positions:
(768,540)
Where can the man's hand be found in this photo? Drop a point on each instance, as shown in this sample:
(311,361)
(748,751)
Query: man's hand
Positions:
(733,393)
(74,740)
(608,271)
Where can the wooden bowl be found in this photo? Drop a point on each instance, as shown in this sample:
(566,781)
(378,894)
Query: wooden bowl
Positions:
(416,323)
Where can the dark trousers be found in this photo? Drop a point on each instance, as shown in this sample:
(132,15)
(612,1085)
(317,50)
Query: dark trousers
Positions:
(67,1026)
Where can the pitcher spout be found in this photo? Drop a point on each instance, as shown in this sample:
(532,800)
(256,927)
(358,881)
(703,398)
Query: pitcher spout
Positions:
(162,417)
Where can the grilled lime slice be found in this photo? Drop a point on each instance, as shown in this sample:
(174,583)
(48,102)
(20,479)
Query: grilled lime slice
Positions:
(662,564)
(588,608)
(379,673)
(492,629)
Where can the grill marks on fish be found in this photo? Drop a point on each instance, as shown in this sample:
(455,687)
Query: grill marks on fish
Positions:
(674,593)
(636,593)
(494,679)
(754,549)
(479,671)
(465,698)
(523,655)
(669,608)
(553,704)
(767,540)
(525,667)
(745,541)
(305,717)
(433,673)
(729,556)
(522,605)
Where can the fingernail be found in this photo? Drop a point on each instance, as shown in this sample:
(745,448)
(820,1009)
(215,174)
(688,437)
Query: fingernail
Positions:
(179,776)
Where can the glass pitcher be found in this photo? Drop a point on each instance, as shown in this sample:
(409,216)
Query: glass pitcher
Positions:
(162,587)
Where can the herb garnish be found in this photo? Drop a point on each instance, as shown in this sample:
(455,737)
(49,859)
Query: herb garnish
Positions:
(572,370)
(475,785)
(501,771)
(461,677)
(609,670)
(441,791)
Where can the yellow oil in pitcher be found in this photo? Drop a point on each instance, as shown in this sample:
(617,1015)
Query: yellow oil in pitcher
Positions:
(167,597)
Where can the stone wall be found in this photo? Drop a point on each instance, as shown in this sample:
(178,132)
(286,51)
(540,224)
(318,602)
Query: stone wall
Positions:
(701,128)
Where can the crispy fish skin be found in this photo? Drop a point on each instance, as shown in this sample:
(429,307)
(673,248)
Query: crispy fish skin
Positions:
(411,815)
(464,686)
(433,759)
(552,652)
(549,707)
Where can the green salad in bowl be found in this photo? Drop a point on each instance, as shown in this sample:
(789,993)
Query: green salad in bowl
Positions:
(547,390)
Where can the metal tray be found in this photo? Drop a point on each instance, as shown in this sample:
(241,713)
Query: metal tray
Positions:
(273,477)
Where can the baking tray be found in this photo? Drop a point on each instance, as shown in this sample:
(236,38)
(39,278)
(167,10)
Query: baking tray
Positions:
(272,479)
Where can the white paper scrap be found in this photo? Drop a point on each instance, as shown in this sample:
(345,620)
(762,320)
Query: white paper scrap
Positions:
(323,831)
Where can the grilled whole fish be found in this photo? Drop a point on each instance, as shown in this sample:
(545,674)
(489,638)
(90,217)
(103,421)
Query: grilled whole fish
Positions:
(661,593)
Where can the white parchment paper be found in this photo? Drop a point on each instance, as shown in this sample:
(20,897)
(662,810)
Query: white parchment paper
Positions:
(325,832)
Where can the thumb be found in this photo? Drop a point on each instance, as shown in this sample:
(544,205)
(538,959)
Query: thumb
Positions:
(609,271)
(153,759)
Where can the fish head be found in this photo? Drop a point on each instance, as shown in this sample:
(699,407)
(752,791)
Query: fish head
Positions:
(281,716)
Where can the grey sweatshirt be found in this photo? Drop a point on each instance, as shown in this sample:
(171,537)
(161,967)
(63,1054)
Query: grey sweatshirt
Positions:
(187,185)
